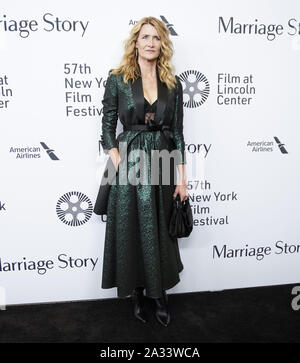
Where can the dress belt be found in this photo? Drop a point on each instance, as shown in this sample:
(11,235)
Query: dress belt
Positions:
(166,130)
(147,127)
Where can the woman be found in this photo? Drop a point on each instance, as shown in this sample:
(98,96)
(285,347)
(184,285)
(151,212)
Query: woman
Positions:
(143,92)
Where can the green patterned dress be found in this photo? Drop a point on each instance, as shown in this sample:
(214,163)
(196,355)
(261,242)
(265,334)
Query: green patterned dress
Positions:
(138,250)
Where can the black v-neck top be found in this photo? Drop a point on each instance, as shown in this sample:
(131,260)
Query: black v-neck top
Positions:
(149,110)
(147,102)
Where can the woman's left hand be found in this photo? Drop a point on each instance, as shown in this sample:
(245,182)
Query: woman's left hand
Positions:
(182,190)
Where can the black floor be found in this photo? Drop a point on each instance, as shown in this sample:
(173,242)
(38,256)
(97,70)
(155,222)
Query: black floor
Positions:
(261,314)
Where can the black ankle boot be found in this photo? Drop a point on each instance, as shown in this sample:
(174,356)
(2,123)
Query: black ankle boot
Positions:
(162,312)
(138,300)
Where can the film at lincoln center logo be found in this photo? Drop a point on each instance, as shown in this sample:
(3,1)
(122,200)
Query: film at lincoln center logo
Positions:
(74,208)
(195,88)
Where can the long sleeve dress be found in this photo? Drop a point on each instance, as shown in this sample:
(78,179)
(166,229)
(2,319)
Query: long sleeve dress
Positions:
(138,250)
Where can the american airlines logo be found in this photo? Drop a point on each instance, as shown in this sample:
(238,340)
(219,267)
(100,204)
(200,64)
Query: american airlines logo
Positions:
(32,152)
(169,26)
(280,145)
(49,151)
(267,146)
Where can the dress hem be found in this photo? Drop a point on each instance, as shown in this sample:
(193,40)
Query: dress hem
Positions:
(151,297)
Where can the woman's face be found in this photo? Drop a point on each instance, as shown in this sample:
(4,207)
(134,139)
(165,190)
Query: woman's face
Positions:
(148,42)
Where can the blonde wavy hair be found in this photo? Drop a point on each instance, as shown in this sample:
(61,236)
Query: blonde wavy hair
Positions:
(129,62)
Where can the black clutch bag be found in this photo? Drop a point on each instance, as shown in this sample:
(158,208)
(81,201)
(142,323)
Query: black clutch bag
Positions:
(100,207)
(181,222)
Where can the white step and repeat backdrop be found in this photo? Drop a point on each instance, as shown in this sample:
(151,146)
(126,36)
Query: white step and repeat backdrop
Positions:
(239,65)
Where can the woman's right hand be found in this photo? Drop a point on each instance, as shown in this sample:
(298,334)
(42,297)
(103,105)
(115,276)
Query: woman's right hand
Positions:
(115,157)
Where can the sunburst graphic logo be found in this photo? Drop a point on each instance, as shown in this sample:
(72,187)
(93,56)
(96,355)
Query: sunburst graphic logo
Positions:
(196,89)
(74,208)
